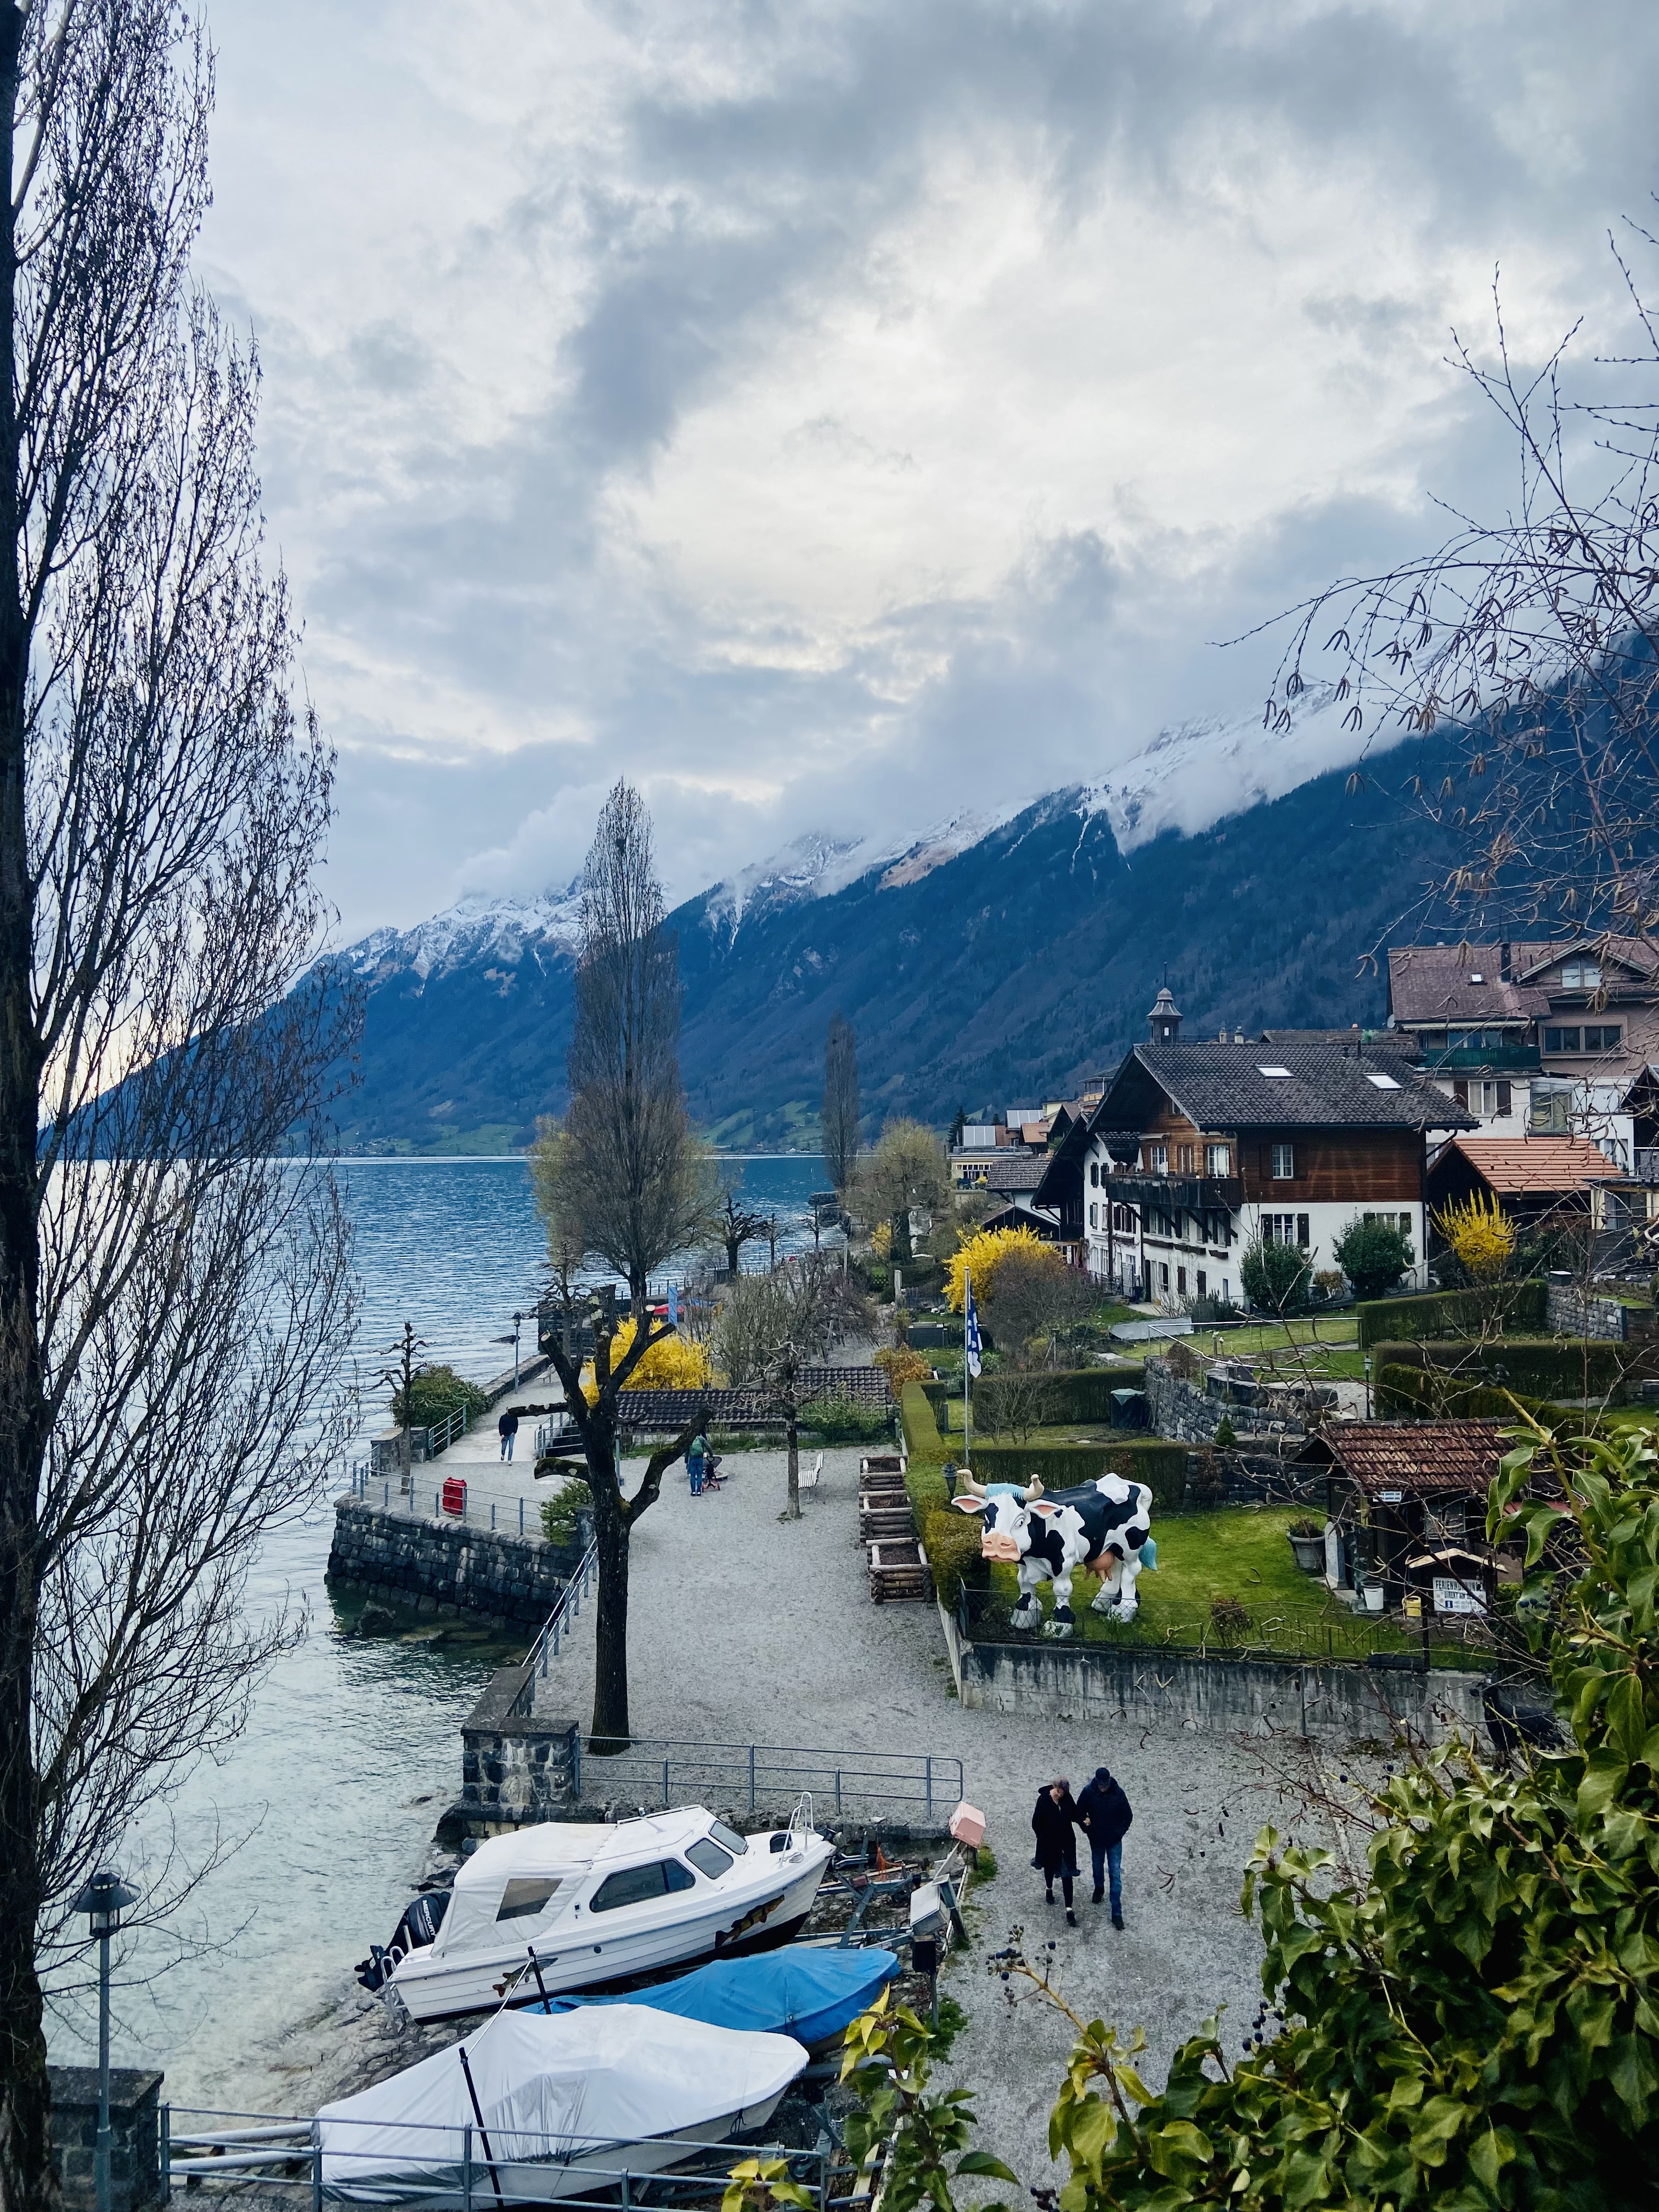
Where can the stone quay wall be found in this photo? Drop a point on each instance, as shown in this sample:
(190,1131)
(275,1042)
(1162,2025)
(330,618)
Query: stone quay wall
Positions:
(135,2150)
(515,1768)
(439,1566)
(1340,1704)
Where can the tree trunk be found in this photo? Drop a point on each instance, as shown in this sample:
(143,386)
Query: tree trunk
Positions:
(733,1248)
(794,1468)
(609,1730)
(26,2179)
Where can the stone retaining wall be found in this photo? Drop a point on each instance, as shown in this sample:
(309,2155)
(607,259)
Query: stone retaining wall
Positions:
(515,1768)
(1571,1312)
(1226,1697)
(1191,1411)
(441,1565)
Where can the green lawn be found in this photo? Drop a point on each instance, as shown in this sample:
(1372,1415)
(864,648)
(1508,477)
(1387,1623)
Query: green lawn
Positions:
(1237,1551)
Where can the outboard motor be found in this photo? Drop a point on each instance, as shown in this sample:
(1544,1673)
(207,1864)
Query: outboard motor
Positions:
(422,1918)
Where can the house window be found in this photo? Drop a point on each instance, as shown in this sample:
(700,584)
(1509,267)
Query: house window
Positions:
(1218,1159)
(1163,1276)
(1282,1159)
(1181,1282)
(1552,1112)
(1284,1229)
(1562,1040)
(1159,1159)
(1581,975)
(1094,1216)
(1094,1175)
(1405,1225)
(1604,1039)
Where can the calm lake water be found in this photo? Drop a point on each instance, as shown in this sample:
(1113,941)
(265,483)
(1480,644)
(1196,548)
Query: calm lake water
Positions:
(354,1748)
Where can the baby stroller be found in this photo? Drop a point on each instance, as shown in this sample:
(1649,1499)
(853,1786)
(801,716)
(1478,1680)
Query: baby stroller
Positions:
(712,1477)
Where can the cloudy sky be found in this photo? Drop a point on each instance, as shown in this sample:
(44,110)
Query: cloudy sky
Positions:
(833,416)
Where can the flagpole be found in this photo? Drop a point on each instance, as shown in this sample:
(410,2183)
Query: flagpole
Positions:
(967,1377)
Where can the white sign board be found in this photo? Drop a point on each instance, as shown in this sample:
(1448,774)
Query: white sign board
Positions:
(1452,1596)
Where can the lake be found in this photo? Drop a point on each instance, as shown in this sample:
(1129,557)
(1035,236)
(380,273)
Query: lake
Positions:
(331,1795)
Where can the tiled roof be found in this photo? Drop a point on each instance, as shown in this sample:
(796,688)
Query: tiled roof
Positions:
(1006,1171)
(1416,1458)
(1330,1086)
(1387,1042)
(1431,983)
(1512,1165)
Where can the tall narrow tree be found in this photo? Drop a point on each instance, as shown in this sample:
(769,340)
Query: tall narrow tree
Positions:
(841,1102)
(174,1294)
(624,1175)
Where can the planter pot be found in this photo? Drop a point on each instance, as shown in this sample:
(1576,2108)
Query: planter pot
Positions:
(1309,1553)
(1373,1597)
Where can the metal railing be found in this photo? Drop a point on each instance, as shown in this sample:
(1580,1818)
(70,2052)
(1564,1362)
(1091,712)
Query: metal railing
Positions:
(668,1770)
(475,2168)
(501,1513)
(556,1626)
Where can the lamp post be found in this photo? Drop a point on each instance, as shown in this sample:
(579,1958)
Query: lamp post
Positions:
(517,1320)
(103,1899)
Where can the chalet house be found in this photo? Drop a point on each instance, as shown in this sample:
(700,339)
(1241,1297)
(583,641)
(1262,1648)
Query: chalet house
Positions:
(1532,1178)
(1198,1149)
(1544,1038)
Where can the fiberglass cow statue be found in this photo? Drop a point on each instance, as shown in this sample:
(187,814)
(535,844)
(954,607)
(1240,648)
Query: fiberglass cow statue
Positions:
(1106,1525)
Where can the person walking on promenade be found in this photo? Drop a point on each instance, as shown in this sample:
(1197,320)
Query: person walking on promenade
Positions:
(1103,1815)
(506,1428)
(1056,1849)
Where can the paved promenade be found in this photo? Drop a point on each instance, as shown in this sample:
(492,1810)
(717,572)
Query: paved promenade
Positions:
(746,1629)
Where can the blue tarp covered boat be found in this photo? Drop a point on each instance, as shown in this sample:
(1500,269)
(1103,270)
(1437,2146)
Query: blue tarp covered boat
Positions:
(809,1994)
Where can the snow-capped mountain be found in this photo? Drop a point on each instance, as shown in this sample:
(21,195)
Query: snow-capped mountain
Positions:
(477,929)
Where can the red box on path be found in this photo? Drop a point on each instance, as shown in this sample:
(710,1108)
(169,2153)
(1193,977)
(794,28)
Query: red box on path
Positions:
(454,1494)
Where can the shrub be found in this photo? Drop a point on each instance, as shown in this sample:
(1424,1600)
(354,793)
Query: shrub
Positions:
(1539,1367)
(671,1364)
(1304,1525)
(1207,1486)
(979,1257)
(1162,1466)
(902,1365)
(435,1393)
(950,1541)
(1373,1254)
(1276,1277)
(1226,1437)
(1230,1617)
(561,1514)
(844,1420)
(921,1437)
(1481,1235)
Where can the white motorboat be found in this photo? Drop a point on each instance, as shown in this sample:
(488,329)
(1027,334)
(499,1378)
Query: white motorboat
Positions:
(533,2108)
(570,1905)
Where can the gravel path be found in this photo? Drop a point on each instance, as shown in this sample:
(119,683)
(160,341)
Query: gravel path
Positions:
(745,1628)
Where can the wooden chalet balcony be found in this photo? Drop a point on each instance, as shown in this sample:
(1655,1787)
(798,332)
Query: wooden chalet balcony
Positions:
(1194,1194)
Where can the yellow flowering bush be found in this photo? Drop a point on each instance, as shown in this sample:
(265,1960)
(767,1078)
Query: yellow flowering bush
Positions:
(1481,1233)
(980,1257)
(671,1364)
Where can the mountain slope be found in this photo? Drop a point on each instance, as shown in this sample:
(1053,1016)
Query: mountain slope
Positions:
(984,960)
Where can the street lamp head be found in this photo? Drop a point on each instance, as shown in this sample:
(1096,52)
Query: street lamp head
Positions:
(105,1899)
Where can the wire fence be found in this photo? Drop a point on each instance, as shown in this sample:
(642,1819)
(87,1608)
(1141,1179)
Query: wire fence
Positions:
(923,1786)
(1326,1637)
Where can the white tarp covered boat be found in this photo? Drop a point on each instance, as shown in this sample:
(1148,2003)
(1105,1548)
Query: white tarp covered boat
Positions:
(563,2104)
(597,1902)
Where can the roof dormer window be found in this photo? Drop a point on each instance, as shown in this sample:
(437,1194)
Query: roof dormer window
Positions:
(1581,975)
(1383,1082)
(1261,1070)
(1477,978)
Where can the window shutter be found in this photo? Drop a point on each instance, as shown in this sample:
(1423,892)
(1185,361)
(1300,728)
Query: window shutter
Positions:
(1301,1237)
(1505,1097)
(1461,1091)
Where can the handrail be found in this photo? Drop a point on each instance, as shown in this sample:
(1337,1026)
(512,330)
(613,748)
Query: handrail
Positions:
(546,1646)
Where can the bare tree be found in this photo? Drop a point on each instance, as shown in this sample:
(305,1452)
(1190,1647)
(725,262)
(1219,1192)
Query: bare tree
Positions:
(841,1102)
(908,1168)
(1035,1298)
(625,1177)
(773,1325)
(174,1284)
(737,1225)
(1537,638)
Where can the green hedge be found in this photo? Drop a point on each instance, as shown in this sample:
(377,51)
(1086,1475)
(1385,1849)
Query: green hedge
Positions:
(1451,1313)
(951,1542)
(921,1437)
(1545,1367)
(1161,1466)
(1080,1394)
(1400,1391)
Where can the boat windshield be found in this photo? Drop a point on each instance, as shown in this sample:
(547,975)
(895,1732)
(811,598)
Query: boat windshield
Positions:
(523,1899)
(729,1837)
(708,1858)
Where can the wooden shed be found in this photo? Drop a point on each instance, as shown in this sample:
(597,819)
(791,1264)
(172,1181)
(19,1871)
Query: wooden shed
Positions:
(1405,1505)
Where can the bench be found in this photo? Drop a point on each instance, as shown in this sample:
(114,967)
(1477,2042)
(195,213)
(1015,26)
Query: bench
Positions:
(808,1479)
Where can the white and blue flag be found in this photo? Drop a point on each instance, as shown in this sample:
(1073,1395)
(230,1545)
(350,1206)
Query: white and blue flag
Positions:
(673,1305)
(970,1341)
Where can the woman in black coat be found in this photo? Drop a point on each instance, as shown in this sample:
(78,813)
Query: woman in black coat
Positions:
(1056,1850)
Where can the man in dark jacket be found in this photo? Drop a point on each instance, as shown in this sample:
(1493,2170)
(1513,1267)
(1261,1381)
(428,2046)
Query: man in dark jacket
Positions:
(1057,1847)
(1103,1815)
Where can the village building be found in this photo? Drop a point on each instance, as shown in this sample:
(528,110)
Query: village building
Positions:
(1406,1511)
(1198,1149)
(1534,1037)
(1533,1179)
